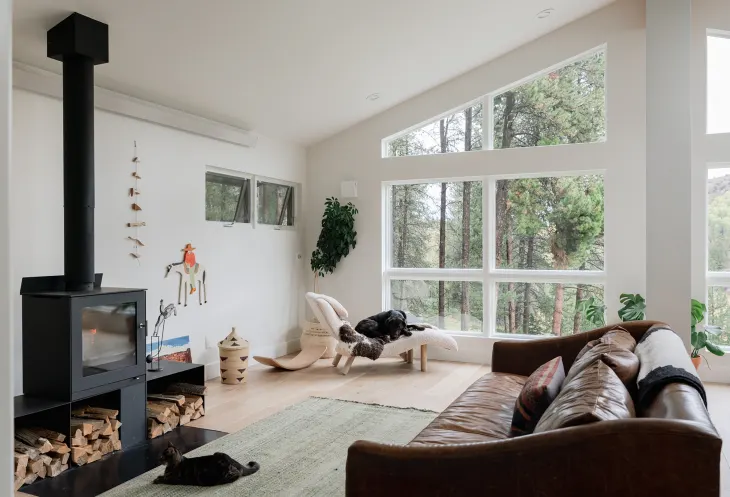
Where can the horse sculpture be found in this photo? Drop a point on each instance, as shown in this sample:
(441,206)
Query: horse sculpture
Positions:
(192,277)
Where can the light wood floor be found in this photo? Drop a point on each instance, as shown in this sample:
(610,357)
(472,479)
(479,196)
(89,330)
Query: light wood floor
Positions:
(387,381)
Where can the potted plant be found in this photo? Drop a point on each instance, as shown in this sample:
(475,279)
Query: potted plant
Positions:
(337,238)
(634,309)
(700,339)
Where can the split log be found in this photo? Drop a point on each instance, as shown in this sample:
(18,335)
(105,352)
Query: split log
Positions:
(106,447)
(189,410)
(154,428)
(94,435)
(201,410)
(166,428)
(64,467)
(114,436)
(184,419)
(52,436)
(187,388)
(96,424)
(177,399)
(117,445)
(34,466)
(60,448)
(30,478)
(196,415)
(42,472)
(77,434)
(96,445)
(107,430)
(31,438)
(78,442)
(194,401)
(18,482)
(22,448)
(109,413)
(94,457)
(160,405)
(115,424)
(89,449)
(54,468)
(65,458)
(83,425)
(79,455)
(157,408)
(45,459)
(20,461)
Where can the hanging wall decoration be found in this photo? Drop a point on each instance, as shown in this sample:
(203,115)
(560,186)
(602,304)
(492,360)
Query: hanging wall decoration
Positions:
(192,276)
(134,193)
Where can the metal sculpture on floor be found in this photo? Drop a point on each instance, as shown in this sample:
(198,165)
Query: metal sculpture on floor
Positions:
(158,335)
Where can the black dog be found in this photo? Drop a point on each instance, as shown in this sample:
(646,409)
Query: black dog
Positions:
(386,326)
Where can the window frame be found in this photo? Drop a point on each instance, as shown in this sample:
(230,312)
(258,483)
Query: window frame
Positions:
(487,101)
(488,274)
(295,203)
(711,33)
(712,278)
(231,173)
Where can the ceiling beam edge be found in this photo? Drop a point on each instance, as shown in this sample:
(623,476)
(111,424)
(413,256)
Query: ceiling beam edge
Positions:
(36,80)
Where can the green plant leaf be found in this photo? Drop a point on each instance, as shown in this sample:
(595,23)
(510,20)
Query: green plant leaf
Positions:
(693,339)
(701,340)
(634,307)
(336,238)
(714,349)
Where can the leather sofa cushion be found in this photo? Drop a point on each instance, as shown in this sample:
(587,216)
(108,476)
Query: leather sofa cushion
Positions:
(624,362)
(483,413)
(617,336)
(538,393)
(595,394)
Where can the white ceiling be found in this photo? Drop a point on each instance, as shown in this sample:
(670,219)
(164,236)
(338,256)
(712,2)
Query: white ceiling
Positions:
(297,70)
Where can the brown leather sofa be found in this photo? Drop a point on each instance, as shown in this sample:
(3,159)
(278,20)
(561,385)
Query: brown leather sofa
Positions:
(670,449)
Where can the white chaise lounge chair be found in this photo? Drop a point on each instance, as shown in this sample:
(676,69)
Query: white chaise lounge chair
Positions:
(332,315)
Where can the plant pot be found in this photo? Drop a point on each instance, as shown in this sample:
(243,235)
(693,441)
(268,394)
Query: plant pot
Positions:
(314,334)
(697,361)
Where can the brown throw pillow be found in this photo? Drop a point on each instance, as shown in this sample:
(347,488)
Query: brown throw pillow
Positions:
(539,391)
(596,394)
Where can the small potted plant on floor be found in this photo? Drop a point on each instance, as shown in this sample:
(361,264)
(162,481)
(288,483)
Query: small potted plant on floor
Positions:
(337,238)
(701,339)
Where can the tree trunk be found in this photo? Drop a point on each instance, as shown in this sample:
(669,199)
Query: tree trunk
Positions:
(507,131)
(511,288)
(528,287)
(558,311)
(466,225)
(401,258)
(579,291)
(442,231)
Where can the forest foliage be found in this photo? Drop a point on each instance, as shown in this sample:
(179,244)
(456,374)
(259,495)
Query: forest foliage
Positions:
(548,223)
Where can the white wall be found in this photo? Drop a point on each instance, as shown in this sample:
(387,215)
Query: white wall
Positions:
(254,277)
(355,154)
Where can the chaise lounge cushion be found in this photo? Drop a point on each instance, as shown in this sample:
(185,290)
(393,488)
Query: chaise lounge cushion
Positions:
(481,414)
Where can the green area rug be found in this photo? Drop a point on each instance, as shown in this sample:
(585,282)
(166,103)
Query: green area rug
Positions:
(302,450)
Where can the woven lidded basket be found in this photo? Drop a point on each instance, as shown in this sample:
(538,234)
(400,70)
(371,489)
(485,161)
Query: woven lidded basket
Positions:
(234,359)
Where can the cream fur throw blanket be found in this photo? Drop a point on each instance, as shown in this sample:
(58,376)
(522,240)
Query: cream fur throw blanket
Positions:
(664,360)
(352,343)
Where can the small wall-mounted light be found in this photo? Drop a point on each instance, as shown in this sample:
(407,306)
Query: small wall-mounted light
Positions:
(348,189)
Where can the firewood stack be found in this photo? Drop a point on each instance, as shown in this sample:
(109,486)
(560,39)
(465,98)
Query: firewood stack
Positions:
(181,404)
(39,453)
(95,433)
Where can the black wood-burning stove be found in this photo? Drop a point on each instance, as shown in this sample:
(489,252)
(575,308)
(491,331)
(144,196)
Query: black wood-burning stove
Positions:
(81,340)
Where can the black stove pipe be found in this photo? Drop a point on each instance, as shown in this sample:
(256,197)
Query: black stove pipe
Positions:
(80,43)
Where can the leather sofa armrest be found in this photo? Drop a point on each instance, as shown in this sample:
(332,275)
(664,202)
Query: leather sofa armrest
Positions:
(525,356)
(630,458)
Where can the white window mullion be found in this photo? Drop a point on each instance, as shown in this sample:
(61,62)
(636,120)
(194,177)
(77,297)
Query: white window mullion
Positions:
(489,289)
(546,276)
(436,274)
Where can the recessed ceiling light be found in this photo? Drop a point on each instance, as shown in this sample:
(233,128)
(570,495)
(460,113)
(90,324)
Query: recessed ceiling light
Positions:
(373,96)
(545,13)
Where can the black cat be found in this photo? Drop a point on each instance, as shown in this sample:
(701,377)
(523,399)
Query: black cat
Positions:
(205,471)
